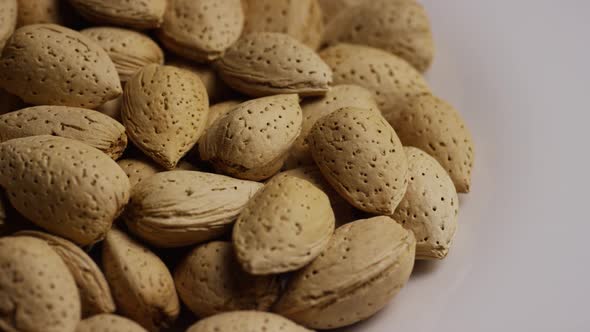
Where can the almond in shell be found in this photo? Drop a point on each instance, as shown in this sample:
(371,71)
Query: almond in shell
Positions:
(284,227)
(210,281)
(165,112)
(37,290)
(217,90)
(179,208)
(8,14)
(331,8)
(251,141)
(136,14)
(47,64)
(246,321)
(108,323)
(267,63)
(138,169)
(361,156)
(129,50)
(88,126)
(46,11)
(64,186)
(365,265)
(142,286)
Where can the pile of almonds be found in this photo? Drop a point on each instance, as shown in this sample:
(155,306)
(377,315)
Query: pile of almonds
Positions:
(262,165)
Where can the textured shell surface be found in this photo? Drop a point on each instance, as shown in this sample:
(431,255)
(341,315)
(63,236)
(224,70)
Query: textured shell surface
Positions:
(136,14)
(108,323)
(246,321)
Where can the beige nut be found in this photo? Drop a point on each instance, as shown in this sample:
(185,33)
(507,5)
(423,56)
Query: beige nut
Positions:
(138,169)
(46,11)
(129,50)
(47,64)
(392,80)
(220,110)
(108,323)
(87,126)
(165,112)
(252,141)
(141,283)
(300,19)
(246,321)
(365,265)
(8,15)
(180,208)
(338,97)
(284,227)
(361,156)
(331,8)
(266,63)
(397,26)
(201,30)
(436,127)
(210,281)
(430,206)
(37,291)
(95,294)
(136,14)
(64,186)
(217,90)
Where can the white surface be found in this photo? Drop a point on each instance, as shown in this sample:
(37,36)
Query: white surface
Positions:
(518,71)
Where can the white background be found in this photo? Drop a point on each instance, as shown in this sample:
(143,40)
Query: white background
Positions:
(518,70)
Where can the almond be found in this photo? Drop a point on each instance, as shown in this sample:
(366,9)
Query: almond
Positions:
(360,154)
(391,79)
(433,125)
(84,125)
(95,294)
(284,227)
(338,97)
(343,211)
(266,63)
(252,141)
(64,186)
(201,30)
(141,283)
(365,265)
(129,50)
(46,11)
(112,108)
(300,19)
(246,321)
(397,26)
(47,64)
(9,103)
(108,323)
(136,14)
(331,8)
(216,89)
(430,206)
(38,292)
(210,281)
(165,111)
(220,110)
(180,208)
(138,169)
(8,13)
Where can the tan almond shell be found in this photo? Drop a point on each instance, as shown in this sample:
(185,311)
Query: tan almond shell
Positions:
(129,50)
(436,127)
(142,286)
(136,14)
(217,90)
(219,110)
(47,64)
(283,227)
(430,207)
(397,26)
(344,212)
(392,80)
(138,169)
(180,208)
(201,30)
(246,321)
(210,281)
(365,265)
(9,102)
(331,8)
(361,156)
(165,112)
(95,294)
(300,19)
(108,323)
(268,63)
(64,186)
(252,141)
(46,11)
(88,126)
(38,292)
(8,14)
(338,97)
(112,108)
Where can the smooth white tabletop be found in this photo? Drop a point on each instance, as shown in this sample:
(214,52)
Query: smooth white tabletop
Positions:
(518,70)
